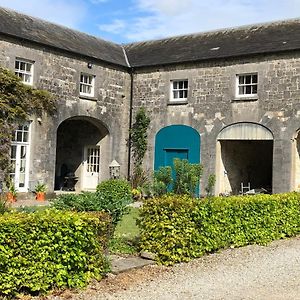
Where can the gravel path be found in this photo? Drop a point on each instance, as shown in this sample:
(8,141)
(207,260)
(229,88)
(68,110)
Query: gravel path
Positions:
(252,272)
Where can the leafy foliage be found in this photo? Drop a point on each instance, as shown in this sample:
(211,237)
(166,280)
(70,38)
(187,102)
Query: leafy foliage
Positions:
(3,204)
(178,228)
(115,195)
(210,185)
(17,102)
(162,179)
(139,143)
(112,196)
(187,176)
(51,249)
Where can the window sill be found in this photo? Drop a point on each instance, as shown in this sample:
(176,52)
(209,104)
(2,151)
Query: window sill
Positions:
(92,98)
(246,99)
(177,102)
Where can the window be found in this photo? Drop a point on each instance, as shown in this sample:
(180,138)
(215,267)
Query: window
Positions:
(24,69)
(87,85)
(247,85)
(19,157)
(179,90)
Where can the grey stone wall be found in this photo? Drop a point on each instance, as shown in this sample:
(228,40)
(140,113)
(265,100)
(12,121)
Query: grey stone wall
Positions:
(212,104)
(59,73)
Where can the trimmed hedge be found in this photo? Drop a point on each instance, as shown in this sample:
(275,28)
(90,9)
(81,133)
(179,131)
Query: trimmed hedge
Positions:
(179,228)
(51,249)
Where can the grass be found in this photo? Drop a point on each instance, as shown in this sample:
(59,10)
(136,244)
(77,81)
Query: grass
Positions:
(126,236)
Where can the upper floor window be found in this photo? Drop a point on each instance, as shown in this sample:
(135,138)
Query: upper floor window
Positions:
(247,85)
(87,83)
(24,69)
(179,90)
(21,134)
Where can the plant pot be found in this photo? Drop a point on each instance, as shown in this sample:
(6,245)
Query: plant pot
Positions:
(40,196)
(11,197)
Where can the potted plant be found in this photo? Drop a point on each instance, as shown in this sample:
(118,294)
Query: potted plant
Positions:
(12,193)
(40,191)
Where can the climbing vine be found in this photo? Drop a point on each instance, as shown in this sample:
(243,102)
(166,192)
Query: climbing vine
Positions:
(139,144)
(17,103)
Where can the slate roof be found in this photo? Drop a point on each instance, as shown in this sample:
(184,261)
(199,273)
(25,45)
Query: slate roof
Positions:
(248,40)
(33,29)
(221,44)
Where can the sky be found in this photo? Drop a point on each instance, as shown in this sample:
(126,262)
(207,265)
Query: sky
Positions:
(138,20)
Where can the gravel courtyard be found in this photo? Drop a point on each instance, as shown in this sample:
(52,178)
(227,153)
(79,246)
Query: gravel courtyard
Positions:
(252,272)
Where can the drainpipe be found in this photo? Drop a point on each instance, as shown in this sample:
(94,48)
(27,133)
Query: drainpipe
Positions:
(131,71)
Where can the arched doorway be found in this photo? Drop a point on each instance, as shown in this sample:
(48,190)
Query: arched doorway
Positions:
(81,154)
(244,156)
(176,141)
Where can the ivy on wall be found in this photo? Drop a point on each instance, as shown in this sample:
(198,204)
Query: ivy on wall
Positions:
(17,103)
(139,144)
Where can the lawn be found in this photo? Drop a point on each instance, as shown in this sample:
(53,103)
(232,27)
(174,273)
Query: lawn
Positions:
(125,240)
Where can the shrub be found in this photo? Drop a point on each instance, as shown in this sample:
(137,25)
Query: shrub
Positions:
(187,176)
(85,201)
(162,180)
(114,196)
(3,204)
(178,228)
(51,249)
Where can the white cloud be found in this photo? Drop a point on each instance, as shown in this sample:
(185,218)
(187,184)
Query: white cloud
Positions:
(163,18)
(98,1)
(68,13)
(116,27)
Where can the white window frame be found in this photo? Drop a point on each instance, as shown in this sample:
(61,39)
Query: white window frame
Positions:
(85,84)
(183,90)
(244,85)
(18,144)
(23,72)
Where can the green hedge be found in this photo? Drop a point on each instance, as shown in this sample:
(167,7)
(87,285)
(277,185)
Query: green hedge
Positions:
(51,249)
(178,228)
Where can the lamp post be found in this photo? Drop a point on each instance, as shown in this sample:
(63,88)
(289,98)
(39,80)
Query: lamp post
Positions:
(114,169)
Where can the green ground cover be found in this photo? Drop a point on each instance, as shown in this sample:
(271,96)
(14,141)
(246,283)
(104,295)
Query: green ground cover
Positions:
(126,236)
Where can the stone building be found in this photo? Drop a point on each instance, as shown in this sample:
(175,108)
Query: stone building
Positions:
(229,99)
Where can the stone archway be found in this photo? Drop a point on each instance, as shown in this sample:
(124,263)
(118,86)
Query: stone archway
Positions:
(244,155)
(82,154)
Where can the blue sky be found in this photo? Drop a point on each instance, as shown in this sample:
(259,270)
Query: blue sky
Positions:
(136,20)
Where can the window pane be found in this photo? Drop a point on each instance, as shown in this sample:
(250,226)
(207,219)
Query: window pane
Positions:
(241,90)
(248,89)
(185,94)
(254,78)
(13,151)
(185,84)
(19,136)
(175,94)
(248,79)
(254,89)
(175,85)
(181,84)
(241,79)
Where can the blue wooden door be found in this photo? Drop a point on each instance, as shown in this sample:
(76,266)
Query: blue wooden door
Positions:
(176,141)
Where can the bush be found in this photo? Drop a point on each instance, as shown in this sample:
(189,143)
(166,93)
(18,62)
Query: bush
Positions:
(51,249)
(179,228)
(85,201)
(187,177)
(112,196)
(3,204)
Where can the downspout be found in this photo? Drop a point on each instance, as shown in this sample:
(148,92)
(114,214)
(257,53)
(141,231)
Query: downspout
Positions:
(131,72)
